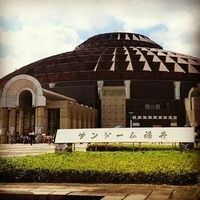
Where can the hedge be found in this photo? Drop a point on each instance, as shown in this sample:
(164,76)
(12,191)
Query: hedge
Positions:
(131,147)
(147,167)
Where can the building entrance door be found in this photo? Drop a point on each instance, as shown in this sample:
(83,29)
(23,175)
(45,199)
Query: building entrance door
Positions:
(25,114)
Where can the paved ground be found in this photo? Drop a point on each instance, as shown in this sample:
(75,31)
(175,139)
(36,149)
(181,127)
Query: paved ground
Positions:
(21,149)
(61,191)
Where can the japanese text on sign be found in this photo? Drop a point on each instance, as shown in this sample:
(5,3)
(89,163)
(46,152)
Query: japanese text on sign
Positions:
(151,134)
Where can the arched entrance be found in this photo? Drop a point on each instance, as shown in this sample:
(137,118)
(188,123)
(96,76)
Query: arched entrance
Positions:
(25,113)
(22,107)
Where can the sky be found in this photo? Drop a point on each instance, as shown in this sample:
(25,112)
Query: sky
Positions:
(34,29)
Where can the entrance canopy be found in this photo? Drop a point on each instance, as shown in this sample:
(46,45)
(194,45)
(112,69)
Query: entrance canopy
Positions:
(18,84)
(25,83)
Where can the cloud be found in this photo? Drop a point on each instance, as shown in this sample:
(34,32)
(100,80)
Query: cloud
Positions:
(11,24)
(4,51)
(34,43)
(32,30)
(173,24)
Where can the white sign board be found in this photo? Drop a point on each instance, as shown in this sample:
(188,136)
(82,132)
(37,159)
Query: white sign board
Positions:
(147,134)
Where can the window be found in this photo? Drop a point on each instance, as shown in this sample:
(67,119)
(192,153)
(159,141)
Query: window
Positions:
(152,106)
(53,120)
(157,106)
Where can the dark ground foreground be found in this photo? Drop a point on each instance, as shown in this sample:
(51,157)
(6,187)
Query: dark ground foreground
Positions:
(60,191)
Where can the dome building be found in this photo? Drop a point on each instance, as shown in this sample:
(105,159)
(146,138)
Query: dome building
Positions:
(110,79)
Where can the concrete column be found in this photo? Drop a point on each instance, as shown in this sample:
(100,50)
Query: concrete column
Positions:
(36,121)
(73,115)
(4,125)
(21,121)
(40,116)
(127,84)
(100,85)
(89,118)
(70,116)
(84,115)
(76,114)
(92,118)
(74,121)
(65,121)
(79,116)
(13,119)
(177,85)
(41,122)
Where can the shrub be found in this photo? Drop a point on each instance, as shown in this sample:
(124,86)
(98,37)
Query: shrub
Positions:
(130,147)
(155,167)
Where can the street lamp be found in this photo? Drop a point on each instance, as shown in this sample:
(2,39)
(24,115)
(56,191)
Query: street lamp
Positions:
(131,124)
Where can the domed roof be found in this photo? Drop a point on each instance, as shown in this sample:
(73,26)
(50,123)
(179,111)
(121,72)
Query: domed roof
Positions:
(117,39)
(114,56)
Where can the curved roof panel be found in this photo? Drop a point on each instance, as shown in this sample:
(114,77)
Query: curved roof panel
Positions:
(114,56)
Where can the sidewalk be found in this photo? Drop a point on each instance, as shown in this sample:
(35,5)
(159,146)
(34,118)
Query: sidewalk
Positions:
(61,191)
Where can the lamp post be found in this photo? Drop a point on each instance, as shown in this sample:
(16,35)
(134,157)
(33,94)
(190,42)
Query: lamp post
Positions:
(131,124)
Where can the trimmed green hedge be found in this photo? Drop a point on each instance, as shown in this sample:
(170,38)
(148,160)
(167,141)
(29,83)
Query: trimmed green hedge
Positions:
(152,167)
(90,176)
(131,147)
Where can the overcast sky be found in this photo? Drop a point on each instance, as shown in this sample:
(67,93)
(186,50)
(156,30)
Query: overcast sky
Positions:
(34,29)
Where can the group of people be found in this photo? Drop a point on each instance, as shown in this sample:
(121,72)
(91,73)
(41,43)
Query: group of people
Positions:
(48,138)
(45,138)
(31,138)
(27,138)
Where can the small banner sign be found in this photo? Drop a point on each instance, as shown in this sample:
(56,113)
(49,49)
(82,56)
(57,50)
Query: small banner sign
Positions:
(147,134)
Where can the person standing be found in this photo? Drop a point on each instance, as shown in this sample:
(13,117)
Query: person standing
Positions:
(31,136)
